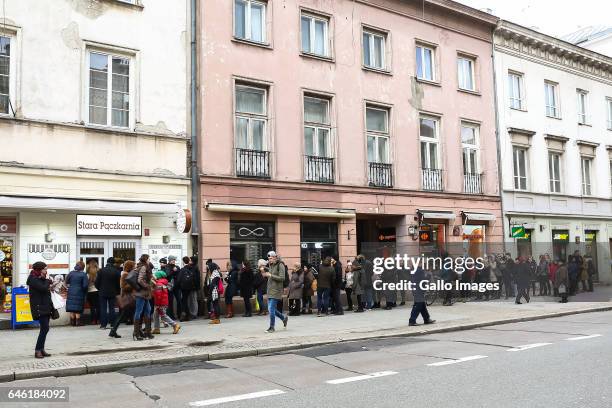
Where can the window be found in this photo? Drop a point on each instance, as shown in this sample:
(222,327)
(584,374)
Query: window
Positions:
(374,50)
(515,90)
(250,20)
(5,71)
(609,106)
(315,35)
(428,132)
(586,176)
(469,142)
(251,118)
(377,125)
(425,63)
(520,168)
(317,127)
(552,100)
(582,106)
(554,171)
(109,90)
(465,69)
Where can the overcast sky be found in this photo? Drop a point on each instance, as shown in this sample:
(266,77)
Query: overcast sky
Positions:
(553,17)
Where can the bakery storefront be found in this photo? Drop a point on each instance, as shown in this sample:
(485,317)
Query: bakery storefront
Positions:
(8,231)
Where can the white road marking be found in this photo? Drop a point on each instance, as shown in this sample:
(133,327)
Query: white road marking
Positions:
(592,336)
(240,397)
(460,360)
(528,346)
(361,377)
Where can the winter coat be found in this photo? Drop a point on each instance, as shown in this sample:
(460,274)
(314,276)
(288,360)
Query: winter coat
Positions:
(296,285)
(145,281)
(308,279)
(160,292)
(77,283)
(584,273)
(368,270)
(418,293)
(327,274)
(247,279)
(40,296)
(231,279)
(275,281)
(107,281)
(126,298)
(182,280)
(562,277)
(337,281)
(523,274)
(259,281)
(552,272)
(358,278)
(172,272)
(572,270)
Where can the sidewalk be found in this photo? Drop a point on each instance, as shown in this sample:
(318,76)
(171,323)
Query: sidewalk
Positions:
(88,349)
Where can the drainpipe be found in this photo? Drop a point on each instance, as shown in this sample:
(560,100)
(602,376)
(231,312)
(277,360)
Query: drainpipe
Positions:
(195,182)
(498,136)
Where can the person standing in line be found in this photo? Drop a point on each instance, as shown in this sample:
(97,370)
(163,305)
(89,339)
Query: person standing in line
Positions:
(562,282)
(420,306)
(245,284)
(41,305)
(174,292)
(77,284)
(584,274)
(187,283)
(215,293)
(307,292)
(552,272)
(348,285)
(260,284)
(523,278)
(107,281)
(143,297)
(126,300)
(296,288)
(590,273)
(93,298)
(160,295)
(232,287)
(276,277)
(507,266)
(359,278)
(573,270)
(337,287)
(543,276)
(368,283)
(324,283)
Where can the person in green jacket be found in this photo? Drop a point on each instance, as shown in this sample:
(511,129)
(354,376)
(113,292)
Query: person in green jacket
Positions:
(276,278)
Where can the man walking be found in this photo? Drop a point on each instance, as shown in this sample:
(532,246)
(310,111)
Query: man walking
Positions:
(107,283)
(276,277)
(523,278)
(419,307)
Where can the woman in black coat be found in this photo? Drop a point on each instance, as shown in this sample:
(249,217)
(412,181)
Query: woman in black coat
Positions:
(77,283)
(246,287)
(40,304)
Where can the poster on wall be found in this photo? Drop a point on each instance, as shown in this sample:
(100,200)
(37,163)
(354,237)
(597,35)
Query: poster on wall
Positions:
(57,258)
(157,252)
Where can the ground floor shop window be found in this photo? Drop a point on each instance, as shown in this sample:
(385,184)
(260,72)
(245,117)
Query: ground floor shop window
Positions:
(474,241)
(7,247)
(318,240)
(523,245)
(251,240)
(590,250)
(432,239)
(560,242)
(98,250)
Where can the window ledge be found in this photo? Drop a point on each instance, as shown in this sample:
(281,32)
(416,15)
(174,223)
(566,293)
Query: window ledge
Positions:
(249,42)
(518,109)
(376,70)
(428,82)
(554,117)
(316,57)
(585,124)
(135,6)
(468,91)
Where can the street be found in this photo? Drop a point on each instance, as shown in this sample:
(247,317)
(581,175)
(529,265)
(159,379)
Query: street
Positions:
(562,361)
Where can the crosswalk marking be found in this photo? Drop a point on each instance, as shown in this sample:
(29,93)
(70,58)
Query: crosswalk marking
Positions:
(592,336)
(361,377)
(528,346)
(460,360)
(240,397)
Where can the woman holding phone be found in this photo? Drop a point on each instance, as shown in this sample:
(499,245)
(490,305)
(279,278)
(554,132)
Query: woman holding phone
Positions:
(41,304)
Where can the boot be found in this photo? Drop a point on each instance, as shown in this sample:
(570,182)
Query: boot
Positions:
(177,327)
(147,330)
(156,331)
(230,311)
(78,322)
(214,321)
(72,321)
(137,335)
(113,333)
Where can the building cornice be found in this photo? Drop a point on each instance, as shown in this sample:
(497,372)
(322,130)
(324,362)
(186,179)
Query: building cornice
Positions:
(529,44)
(561,139)
(586,143)
(521,131)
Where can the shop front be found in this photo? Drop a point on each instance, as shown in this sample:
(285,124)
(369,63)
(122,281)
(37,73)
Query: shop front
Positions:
(8,230)
(318,240)
(433,230)
(251,240)
(590,250)
(560,239)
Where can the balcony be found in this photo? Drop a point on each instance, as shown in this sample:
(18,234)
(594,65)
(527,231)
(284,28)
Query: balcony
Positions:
(431,179)
(380,174)
(252,163)
(319,169)
(472,183)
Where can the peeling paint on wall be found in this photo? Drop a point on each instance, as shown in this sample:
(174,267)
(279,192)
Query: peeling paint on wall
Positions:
(416,101)
(70,36)
(89,8)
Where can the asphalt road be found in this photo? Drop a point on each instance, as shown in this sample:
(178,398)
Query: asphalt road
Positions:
(560,362)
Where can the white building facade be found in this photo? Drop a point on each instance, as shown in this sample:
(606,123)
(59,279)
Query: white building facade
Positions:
(555,124)
(93,123)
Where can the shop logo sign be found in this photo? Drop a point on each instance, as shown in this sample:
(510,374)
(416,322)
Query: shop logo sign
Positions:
(245,232)
(49,254)
(3,228)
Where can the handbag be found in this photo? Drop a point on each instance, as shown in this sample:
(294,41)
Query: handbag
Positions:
(562,289)
(313,285)
(132,279)
(54,314)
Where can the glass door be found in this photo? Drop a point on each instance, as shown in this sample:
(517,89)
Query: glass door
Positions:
(123,250)
(93,250)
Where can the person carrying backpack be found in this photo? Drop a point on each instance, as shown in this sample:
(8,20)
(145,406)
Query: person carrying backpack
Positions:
(187,283)
(160,295)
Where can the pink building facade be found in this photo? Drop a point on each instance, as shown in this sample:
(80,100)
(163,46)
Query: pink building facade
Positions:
(327,125)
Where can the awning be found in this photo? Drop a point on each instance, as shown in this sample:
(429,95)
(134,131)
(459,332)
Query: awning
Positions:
(278,210)
(436,215)
(473,216)
(66,204)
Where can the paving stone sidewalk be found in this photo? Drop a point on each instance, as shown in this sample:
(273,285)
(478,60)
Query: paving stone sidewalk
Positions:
(88,349)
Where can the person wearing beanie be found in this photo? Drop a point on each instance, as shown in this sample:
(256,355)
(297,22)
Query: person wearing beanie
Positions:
(77,283)
(41,304)
(160,295)
(174,292)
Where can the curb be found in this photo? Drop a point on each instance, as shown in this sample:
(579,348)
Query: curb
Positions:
(83,369)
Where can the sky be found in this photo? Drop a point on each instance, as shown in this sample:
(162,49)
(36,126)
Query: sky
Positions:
(552,17)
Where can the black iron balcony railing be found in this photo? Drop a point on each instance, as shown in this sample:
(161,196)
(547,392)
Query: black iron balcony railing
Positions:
(319,169)
(472,183)
(432,179)
(252,163)
(380,174)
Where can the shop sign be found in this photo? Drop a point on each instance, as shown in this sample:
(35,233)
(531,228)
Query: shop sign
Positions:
(8,225)
(590,236)
(518,232)
(561,236)
(425,235)
(109,225)
(252,231)
(56,256)
(183,220)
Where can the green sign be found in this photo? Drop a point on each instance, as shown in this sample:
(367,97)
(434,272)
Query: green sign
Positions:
(518,232)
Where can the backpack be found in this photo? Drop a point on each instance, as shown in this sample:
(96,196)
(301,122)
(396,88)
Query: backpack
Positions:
(187,279)
(132,279)
(287,279)
(220,288)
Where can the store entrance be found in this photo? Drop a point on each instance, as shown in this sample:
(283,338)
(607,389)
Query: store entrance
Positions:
(318,240)
(590,250)
(7,247)
(98,250)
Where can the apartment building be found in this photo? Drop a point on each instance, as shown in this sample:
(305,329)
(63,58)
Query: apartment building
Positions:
(555,120)
(326,126)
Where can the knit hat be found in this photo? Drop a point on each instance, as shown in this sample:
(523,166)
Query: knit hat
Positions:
(271,253)
(163,261)
(160,274)
(171,258)
(39,266)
